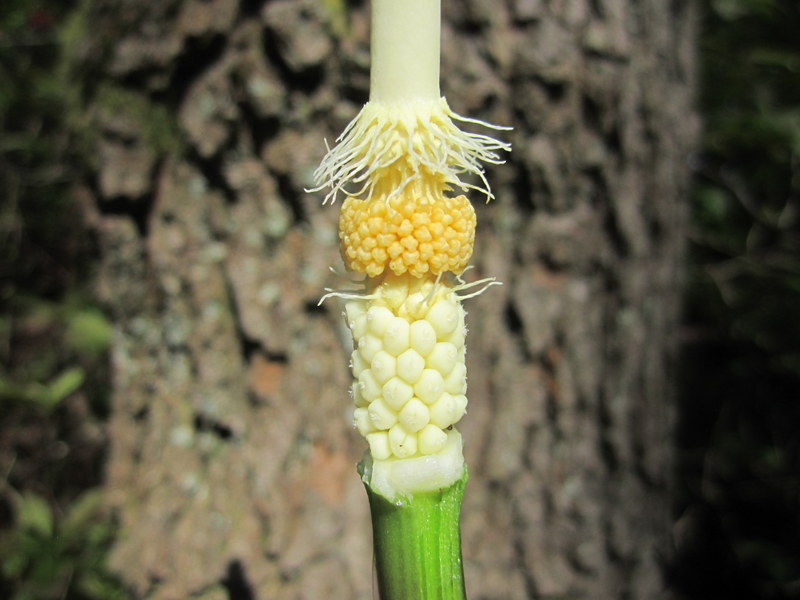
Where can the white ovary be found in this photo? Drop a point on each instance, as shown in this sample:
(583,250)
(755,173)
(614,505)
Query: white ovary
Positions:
(381,415)
(444,317)
(456,381)
(414,416)
(416,305)
(356,316)
(429,386)
(379,445)
(397,392)
(410,366)
(396,336)
(362,421)
(431,439)
(368,386)
(458,336)
(443,358)
(357,363)
(384,366)
(358,397)
(378,319)
(402,442)
(447,410)
(422,337)
(368,346)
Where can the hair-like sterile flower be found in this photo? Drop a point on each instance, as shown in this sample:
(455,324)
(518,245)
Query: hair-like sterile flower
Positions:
(391,144)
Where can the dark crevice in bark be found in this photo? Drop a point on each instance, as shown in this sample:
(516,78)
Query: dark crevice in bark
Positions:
(512,319)
(549,369)
(250,347)
(236,582)
(555,90)
(595,117)
(204,423)
(312,308)
(137,209)
(141,414)
(598,185)
(357,95)
(212,170)
(531,589)
(197,56)
(596,9)
(306,80)
(250,8)
(591,111)
(291,197)
(619,241)
(606,425)
(516,329)
(260,129)
(524,194)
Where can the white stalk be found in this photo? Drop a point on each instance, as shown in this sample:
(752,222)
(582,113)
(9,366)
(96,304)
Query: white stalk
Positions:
(405,50)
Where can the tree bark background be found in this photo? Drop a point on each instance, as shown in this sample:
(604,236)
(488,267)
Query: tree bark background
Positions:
(232,462)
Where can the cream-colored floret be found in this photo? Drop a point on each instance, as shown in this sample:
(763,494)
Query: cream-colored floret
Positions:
(443,357)
(430,385)
(384,367)
(444,317)
(456,380)
(369,345)
(379,445)
(397,392)
(402,442)
(381,414)
(357,363)
(368,386)
(396,336)
(415,415)
(410,365)
(378,319)
(422,337)
(362,421)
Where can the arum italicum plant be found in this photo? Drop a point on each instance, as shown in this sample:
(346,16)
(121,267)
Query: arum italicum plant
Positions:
(400,165)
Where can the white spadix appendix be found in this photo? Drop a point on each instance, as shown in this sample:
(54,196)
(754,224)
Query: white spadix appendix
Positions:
(403,167)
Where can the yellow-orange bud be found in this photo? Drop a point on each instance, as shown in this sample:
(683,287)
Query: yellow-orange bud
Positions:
(410,233)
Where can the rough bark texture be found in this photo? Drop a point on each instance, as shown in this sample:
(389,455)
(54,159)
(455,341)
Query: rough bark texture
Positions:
(232,461)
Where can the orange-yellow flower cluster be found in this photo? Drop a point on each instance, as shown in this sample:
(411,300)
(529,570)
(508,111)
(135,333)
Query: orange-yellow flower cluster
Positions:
(410,233)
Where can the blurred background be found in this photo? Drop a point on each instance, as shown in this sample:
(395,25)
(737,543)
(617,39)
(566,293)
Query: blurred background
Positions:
(736,499)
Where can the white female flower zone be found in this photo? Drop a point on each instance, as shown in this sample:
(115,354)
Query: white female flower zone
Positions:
(410,376)
(397,164)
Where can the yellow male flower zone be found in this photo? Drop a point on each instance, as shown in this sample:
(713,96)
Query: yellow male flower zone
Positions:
(410,233)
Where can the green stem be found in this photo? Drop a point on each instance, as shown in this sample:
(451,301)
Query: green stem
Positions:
(417,544)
